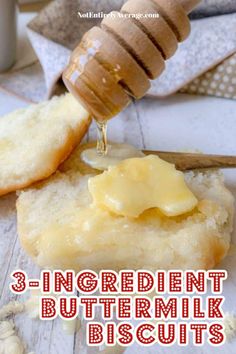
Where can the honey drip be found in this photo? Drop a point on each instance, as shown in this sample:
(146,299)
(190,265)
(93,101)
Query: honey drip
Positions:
(102,138)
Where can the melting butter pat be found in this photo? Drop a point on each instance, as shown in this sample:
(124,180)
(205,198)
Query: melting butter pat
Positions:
(115,154)
(138,184)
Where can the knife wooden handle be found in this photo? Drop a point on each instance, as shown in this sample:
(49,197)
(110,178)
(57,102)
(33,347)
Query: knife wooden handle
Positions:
(187,161)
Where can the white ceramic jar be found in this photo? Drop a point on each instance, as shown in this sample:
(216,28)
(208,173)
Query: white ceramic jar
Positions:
(7,34)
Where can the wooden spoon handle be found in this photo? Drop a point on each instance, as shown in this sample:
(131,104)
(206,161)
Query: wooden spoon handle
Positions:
(186,161)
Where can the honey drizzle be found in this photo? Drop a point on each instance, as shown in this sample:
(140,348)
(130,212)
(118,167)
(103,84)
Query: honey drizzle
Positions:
(102,138)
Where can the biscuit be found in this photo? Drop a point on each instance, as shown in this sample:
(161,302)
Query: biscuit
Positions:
(35,140)
(59,227)
(75,163)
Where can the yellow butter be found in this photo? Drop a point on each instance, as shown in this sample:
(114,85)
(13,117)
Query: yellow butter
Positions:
(138,184)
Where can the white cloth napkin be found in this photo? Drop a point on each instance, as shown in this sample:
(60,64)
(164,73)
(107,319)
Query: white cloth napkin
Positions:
(214,8)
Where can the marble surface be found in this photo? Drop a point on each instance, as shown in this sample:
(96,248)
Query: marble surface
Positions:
(179,122)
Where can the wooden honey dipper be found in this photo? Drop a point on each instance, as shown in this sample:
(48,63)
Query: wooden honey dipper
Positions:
(115,62)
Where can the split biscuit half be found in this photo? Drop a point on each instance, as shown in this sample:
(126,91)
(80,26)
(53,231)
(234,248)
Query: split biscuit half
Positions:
(35,140)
